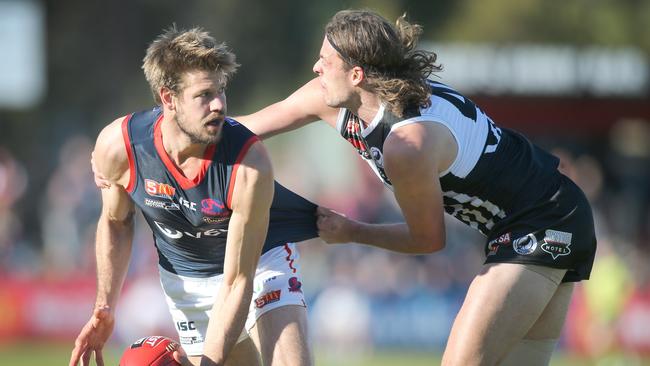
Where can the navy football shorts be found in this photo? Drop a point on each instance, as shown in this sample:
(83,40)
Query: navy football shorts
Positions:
(557,233)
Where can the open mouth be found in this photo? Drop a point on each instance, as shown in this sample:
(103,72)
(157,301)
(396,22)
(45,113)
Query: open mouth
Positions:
(217,122)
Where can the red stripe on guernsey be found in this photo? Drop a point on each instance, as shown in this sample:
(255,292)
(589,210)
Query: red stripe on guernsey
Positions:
(235,167)
(129,152)
(183,181)
(288,258)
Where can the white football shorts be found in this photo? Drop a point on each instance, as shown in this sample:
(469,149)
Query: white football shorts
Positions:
(277,283)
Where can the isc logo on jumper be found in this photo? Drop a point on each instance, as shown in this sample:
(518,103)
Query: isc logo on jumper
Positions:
(156,189)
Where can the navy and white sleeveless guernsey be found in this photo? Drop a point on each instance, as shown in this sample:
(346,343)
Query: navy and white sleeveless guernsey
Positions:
(189,218)
(500,184)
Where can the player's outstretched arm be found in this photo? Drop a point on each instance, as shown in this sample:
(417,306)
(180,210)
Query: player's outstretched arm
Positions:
(411,163)
(112,246)
(251,202)
(304,106)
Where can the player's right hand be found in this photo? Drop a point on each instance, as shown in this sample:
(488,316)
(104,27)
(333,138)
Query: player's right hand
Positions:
(334,227)
(100,180)
(181,357)
(93,336)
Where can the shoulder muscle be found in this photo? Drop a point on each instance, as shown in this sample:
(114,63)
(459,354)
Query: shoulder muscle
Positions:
(423,142)
(110,153)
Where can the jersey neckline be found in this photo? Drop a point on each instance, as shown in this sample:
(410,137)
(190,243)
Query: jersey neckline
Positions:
(183,181)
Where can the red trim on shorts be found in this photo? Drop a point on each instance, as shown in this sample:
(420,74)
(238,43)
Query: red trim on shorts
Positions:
(288,257)
(129,152)
(183,181)
(235,167)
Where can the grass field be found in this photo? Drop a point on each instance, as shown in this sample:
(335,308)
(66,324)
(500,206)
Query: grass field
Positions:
(40,354)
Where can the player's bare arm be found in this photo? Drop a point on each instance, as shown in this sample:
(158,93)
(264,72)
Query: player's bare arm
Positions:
(428,149)
(304,106)
(113,246)
(251,202)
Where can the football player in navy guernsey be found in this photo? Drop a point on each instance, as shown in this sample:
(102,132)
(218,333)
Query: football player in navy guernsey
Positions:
(438,152)
(224,231)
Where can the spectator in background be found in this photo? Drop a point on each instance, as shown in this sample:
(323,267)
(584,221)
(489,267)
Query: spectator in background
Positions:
(70,206)
(16,256)
(597,304)
(630,161)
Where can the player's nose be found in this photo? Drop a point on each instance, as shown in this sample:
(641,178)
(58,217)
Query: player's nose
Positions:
(317,67)
(218,104)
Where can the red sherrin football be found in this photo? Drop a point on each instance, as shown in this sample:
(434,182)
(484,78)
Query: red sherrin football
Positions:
(150,351)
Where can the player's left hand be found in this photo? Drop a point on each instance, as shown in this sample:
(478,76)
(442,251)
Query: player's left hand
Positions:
(334,227)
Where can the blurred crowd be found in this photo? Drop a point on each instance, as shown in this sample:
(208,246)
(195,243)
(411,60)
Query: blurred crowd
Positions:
(362,298)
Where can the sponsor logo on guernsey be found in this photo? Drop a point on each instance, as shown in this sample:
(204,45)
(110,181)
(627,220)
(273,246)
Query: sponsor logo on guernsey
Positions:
(525,245)
(557,243)
(494,244)
(170,206)
(267,298)
(214,220)
(156,189)
(232,122)
(377,156)
(187,204)
(212,207)
(172,233)
(295,285)
(191,340)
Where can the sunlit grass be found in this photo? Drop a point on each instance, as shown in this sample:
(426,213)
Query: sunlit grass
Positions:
(39,354)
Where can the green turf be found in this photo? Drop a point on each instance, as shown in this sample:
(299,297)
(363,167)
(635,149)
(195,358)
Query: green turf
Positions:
(39,354)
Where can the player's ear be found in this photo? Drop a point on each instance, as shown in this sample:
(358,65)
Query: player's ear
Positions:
(357,75)
(166,98)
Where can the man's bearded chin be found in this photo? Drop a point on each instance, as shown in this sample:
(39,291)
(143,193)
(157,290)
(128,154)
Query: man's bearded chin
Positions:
(196,137)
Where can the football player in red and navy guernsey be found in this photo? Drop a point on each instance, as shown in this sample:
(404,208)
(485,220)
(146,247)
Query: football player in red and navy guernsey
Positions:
(225,232)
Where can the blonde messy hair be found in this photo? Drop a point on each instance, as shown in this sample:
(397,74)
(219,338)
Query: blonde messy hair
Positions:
(175,52)
(394,69)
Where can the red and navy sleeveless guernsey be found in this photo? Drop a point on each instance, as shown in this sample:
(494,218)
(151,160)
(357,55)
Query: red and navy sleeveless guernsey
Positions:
(189,217)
